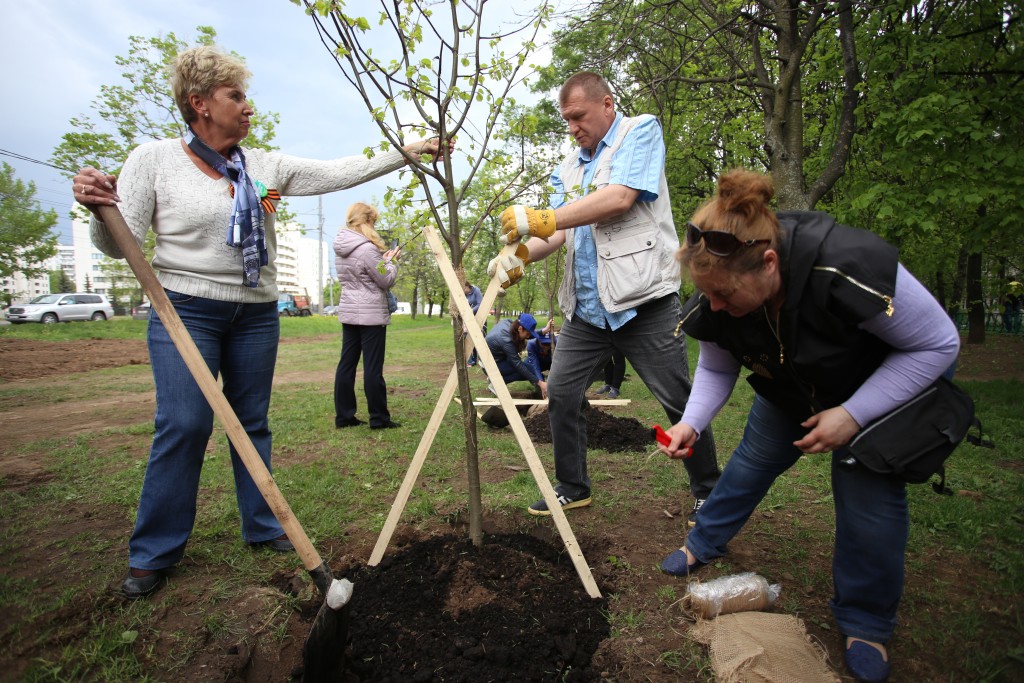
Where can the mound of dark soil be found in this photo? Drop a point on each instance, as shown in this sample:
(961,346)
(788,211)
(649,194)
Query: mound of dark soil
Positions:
(613,434)
(443,610)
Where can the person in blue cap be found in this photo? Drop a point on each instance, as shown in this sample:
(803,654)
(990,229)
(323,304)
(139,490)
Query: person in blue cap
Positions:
(539,351)
(507,341)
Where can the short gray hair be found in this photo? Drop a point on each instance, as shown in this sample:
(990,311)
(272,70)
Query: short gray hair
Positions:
(592,84)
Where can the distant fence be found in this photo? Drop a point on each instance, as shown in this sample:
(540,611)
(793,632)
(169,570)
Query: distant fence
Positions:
(994,322)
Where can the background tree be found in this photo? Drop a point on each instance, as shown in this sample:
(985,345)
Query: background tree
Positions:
(940,157)
(26,240)
(60,282)
(730,83)
(331,293)
(422,73)
(419,279)
(899,117)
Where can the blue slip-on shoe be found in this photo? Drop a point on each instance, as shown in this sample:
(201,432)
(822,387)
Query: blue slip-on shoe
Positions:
(865,663)
(676,564)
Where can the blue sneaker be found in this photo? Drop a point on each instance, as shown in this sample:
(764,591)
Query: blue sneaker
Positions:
(865,663)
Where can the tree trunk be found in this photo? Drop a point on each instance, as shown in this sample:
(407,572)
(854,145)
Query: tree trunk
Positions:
(476,535)
(975,301)
(940,294)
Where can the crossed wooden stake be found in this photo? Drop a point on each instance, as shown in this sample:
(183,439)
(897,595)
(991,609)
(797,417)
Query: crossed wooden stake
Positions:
(476,337)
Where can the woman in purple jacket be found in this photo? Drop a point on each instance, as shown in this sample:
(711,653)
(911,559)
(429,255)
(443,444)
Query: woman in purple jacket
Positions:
(366,271)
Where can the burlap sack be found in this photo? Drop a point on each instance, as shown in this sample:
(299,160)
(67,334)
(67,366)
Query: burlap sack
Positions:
(758,647)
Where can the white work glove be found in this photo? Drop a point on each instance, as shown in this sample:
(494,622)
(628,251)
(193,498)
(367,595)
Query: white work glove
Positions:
(510,268)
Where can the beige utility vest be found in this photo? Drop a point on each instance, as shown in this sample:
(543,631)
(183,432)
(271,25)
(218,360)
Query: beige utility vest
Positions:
(635,250)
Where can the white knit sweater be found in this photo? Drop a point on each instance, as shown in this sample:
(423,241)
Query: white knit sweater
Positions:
(189,212)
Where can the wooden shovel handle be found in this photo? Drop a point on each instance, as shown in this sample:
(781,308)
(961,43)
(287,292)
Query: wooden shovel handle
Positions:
(125,241)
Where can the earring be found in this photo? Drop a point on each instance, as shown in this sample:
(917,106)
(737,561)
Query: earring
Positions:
(206,114)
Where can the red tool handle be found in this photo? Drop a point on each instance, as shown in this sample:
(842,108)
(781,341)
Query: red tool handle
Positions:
(664,439)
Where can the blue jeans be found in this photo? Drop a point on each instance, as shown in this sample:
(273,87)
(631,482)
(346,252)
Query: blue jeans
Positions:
(871,521)
(239,343)
(370,341)
(509,372)
(648,341)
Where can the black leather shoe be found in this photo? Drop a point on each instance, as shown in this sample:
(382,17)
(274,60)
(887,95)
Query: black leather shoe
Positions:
(278,545)
(135,587)
(390,424)
(351,422)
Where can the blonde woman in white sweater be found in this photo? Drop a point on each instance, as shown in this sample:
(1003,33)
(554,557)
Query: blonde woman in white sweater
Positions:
(211,204)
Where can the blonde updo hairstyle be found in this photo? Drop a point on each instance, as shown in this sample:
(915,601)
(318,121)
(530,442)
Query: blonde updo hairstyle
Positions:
(740,207)
(200,71)
(361,218)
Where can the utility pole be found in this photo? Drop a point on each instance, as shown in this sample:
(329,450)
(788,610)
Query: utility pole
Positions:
(320,254)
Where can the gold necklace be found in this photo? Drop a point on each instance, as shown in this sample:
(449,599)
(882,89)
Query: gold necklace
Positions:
(782,355)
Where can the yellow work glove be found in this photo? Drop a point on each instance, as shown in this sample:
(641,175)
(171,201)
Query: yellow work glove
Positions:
(510,269)
(518,221)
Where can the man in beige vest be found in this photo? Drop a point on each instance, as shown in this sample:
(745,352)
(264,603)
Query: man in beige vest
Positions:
(620,292)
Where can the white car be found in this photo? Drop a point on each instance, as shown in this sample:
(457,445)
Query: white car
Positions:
(57,308)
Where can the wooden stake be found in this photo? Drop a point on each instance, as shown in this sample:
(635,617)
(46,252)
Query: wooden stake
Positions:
(475,332)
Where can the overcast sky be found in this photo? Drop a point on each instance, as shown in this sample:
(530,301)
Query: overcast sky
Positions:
(57,54)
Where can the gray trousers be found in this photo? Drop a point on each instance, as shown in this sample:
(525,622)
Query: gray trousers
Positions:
(658,357)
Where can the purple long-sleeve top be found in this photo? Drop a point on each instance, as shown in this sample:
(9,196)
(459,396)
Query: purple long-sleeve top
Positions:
(924,340)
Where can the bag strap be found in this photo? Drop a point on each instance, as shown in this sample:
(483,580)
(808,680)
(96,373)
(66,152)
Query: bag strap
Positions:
(940,486)
(980,439)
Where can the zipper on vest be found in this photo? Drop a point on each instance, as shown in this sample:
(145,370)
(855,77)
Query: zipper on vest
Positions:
(682,321)
(854,281)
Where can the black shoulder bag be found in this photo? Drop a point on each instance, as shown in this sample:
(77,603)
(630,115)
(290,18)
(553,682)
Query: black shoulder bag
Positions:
(913,441)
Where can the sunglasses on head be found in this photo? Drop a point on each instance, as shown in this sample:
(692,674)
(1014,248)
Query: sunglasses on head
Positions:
(718,242)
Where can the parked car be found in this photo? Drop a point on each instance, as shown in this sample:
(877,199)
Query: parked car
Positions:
(56,308)
(141,312)
(330,310)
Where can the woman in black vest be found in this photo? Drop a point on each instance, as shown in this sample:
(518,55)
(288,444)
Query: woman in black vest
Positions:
(835,332)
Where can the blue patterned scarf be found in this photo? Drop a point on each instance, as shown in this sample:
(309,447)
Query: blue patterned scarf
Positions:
(246,228)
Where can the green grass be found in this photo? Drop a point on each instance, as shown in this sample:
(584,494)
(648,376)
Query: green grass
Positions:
(339,480)
(118,327)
